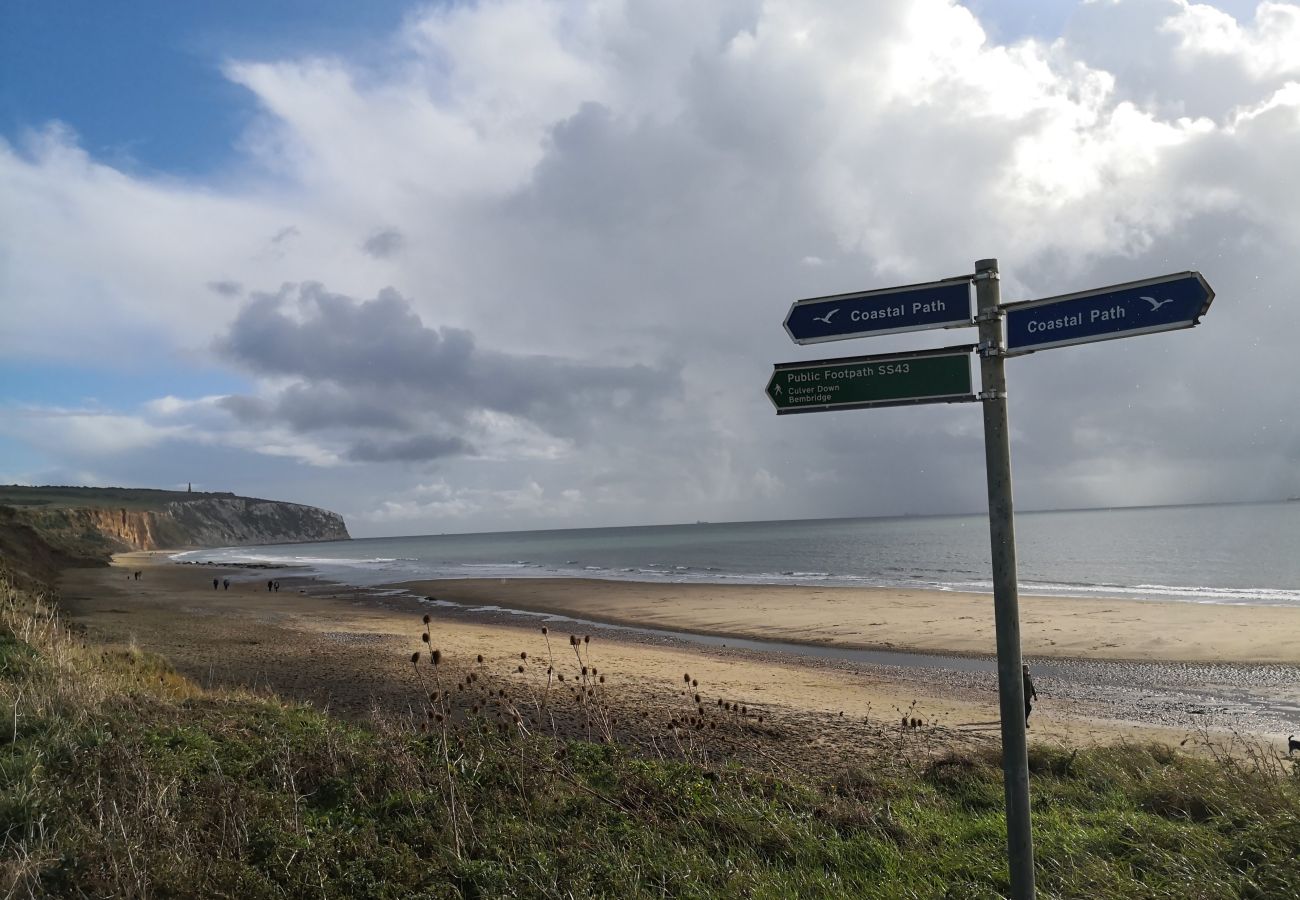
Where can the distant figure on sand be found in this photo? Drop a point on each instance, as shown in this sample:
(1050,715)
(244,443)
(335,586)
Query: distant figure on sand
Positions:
(215,583)
(1030,693)
(137,576)
(269,584)
(225,583)
(277,586)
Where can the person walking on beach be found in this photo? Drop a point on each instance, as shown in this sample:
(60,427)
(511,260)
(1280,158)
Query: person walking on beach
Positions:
(225,583)
(215,583)
(269,583)
(1030,693)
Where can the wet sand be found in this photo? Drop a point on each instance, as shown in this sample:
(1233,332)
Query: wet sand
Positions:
(914,621)
(349,650)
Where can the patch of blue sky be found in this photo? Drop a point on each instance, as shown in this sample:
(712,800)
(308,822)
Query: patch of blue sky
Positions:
(77,387)
(19,462)
(141,82)
(1009,21)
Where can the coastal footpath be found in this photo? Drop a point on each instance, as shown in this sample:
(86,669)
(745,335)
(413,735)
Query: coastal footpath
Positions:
(66,525)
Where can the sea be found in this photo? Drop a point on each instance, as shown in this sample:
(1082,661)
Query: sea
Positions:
(1245,553)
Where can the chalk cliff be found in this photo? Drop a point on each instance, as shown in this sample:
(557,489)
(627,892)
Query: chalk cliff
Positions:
(98,530)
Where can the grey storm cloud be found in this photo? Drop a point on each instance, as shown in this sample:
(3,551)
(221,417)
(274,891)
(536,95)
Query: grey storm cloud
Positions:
(226,288)
(384,244)
(396,388)
(316,407)
(418,448)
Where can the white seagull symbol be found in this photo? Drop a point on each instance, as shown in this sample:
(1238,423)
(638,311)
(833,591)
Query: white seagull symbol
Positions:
(1156,304)
(826,319)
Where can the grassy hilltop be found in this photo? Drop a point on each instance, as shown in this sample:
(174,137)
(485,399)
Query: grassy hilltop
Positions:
(120,778)
(71,497)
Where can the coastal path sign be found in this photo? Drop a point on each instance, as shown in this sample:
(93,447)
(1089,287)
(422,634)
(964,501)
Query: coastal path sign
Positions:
(1121,310)
(913,307)
(861,382)
(944,376)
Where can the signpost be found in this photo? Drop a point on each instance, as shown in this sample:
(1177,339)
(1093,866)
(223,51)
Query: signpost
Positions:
(861,382)
(944,376)
(1121,310)
(913,307)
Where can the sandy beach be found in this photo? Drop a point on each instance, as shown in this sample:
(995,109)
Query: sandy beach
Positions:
(918,621)
(349,650)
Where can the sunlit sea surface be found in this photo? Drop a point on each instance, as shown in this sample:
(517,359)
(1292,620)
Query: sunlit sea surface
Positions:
(1238,553)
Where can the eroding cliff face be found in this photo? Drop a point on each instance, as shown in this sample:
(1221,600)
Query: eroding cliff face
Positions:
(215,522)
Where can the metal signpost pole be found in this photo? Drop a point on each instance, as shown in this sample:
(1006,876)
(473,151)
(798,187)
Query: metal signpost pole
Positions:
(1006,600)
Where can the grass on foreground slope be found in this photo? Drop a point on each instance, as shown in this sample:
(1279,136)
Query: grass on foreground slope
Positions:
(120,778)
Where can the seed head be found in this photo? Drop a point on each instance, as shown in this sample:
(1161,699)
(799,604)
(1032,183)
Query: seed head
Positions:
(437,657)
(425,637)
(519,668)
(602,679)
(543,629)
(586,639)
(427,619)
(694,683)
(415,657)
(686,678)
(523,654)
(480,657)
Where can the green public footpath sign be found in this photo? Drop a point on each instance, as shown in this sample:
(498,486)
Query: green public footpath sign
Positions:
(858,382)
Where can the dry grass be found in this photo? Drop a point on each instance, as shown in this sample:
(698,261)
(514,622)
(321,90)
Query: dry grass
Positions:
(118,778)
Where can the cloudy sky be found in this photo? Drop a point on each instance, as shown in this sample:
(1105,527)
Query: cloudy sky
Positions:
(523,264)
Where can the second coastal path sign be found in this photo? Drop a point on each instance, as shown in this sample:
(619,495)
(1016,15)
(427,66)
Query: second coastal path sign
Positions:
(912,307)
(1121,310)
(860,382)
